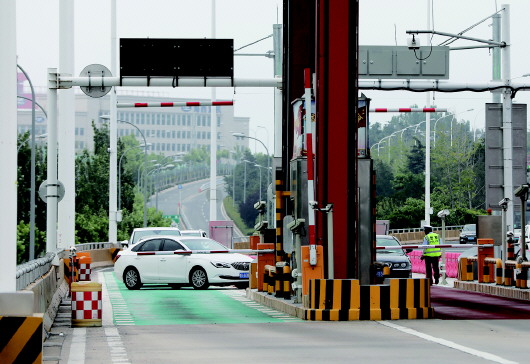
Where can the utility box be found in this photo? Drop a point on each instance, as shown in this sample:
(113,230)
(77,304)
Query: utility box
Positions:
(393,62)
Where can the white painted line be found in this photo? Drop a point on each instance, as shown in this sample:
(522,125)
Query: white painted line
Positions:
(106,306)
(450,344)
(118,354)
(78,346)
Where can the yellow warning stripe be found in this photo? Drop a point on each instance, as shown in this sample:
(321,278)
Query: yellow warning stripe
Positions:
(19,340)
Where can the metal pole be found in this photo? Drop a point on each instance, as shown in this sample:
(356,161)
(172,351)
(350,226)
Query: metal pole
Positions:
(507,118)
(51,187)
(113,129)
(66,129)
(496,56)
(8,146)
(32,183)
(213,142)
(245,184)
(443,281)
(428,139)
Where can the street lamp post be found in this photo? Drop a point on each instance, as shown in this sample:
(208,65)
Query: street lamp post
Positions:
(107,117)
(440,118)
(259,168)
(245,181)
(32,176)
(241,135)
(119,170)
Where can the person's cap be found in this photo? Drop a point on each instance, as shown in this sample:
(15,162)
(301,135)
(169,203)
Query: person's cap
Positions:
(427,227)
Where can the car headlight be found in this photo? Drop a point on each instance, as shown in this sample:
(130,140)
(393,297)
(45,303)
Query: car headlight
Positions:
(220,264)
(400,265)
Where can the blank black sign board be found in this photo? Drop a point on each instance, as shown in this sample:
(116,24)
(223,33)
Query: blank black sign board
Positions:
(176,57)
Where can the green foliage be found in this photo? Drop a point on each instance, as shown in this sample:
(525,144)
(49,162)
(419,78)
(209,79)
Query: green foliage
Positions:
(236,217)
(246,176)
(457,170)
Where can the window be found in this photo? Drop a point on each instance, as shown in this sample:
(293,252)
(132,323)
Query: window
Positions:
(171,245)
(189,120)
(150,245)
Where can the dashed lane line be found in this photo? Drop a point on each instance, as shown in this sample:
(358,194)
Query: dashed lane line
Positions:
(239,295)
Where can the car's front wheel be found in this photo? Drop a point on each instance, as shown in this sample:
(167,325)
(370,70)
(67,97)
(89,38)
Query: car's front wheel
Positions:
(199,278)
(131,278)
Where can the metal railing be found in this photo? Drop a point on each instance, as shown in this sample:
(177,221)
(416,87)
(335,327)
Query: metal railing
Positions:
(418,230)
(29,272)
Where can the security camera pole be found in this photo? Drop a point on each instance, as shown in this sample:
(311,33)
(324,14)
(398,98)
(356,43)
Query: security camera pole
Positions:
(522,193)
(442,214)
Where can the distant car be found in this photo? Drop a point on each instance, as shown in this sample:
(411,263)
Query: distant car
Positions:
(193,233)
(468,234)
(396,259)
(140,233)
(181,261)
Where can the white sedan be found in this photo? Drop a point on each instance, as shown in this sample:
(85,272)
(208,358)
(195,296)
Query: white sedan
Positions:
(181,261)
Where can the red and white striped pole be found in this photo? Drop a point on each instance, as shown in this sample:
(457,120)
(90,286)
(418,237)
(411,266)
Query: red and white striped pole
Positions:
(174,104)
(310,162)
(407,109)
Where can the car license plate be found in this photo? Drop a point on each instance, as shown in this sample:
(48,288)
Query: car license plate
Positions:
(243,275)
(470,238)
(379,273)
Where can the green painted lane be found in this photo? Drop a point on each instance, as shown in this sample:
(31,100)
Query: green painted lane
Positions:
(161,305)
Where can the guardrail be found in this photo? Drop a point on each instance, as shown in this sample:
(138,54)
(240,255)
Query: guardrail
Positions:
(418,230)
(29,272)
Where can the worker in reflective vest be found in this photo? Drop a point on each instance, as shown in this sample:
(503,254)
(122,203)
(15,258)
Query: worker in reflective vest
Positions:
(431,255)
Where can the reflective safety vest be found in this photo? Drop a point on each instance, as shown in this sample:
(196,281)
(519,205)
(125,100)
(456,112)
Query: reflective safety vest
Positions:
(433,239)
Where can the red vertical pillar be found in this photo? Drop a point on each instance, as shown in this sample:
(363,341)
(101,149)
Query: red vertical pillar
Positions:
(336,150)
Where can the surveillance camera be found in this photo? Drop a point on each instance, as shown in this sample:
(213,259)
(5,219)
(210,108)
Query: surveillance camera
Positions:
(443,213)
(413,43)
(522,192)
(504,202)
(260,205)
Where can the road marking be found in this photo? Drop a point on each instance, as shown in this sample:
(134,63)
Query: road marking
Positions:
(240,295)
(78,346)
(118,307)
(450,344)
(118,354)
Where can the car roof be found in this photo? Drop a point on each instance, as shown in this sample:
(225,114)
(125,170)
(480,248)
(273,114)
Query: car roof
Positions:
(155,228)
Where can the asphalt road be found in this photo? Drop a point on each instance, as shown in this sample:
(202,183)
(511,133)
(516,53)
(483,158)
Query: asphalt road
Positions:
(194,201)
(159,325)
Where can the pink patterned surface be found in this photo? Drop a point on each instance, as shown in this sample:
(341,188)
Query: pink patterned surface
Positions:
(451,262)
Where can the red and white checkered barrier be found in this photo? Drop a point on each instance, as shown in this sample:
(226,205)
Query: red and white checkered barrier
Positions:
(86,305)
(84,271)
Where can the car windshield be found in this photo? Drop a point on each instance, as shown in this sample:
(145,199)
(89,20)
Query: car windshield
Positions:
(470,228)
(388,241)
(145,233)
(202,244)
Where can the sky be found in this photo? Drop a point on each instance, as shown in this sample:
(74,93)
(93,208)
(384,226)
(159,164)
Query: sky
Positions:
(382,22)
(245,21)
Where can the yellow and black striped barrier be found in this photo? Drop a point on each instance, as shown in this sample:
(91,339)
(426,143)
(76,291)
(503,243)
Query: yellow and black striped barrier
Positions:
(113,253)
(466,269)
(347,300)
(21,339)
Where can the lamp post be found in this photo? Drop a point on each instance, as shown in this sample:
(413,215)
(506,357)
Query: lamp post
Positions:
(443,117)
(268,171)
(32,176)
(107,117)
(241,135)
(245,181)
(119,170)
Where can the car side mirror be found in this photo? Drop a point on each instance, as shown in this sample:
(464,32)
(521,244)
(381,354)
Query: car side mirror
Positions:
(408,250)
